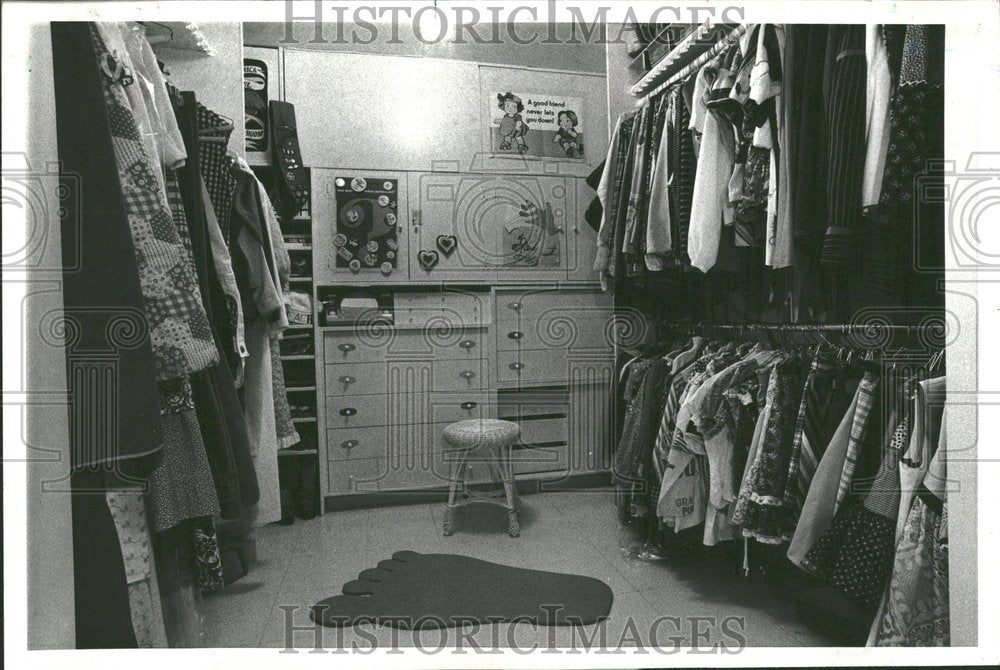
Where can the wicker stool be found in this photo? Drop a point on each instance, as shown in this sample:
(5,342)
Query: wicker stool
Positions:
(495,438)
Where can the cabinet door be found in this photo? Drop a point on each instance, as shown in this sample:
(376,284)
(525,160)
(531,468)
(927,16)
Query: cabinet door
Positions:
(353,209)
(531,216)
(590,412)
(453,236)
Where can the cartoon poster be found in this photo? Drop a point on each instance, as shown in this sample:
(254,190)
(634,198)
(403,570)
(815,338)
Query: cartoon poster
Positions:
(534,125)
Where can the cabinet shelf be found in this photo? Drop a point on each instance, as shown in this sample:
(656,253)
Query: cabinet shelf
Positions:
(304,419)
(299,389)
(298,357)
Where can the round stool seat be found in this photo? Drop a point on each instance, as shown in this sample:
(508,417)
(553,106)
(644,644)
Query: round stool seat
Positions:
(472,433)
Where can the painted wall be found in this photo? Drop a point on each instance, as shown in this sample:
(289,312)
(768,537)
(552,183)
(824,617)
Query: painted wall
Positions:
(500,48)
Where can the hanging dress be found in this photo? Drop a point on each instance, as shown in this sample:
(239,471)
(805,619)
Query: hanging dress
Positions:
(855,554)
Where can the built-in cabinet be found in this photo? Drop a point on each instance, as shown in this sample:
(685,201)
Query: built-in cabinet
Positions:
(495,312)
(459,228)
(389,391)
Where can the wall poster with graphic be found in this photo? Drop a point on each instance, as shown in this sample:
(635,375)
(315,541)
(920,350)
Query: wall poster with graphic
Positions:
(536,125)
(255,80)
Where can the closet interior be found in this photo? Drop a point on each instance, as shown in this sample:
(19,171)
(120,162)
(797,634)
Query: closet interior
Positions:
(683,288)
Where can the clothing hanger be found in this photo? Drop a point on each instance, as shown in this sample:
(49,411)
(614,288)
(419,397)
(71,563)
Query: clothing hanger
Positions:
(158,39)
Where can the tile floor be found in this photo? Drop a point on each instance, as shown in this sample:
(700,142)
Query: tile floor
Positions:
(572,532)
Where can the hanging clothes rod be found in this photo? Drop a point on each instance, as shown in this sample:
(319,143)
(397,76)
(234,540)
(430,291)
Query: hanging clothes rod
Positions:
(731,38)
(843,328)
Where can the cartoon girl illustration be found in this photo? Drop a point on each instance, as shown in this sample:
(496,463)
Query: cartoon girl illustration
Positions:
(512,126)
(567,136)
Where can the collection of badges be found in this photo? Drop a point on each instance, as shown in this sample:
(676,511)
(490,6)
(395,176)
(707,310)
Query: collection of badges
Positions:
(367,236)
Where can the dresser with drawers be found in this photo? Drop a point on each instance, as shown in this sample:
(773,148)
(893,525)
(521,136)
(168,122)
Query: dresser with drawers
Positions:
(390,389)
(554,365)
(538,357)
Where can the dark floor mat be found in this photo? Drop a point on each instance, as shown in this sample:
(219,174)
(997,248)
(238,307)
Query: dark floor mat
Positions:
(441,590)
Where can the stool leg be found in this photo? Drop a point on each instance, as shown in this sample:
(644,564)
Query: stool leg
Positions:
(453,484)
(507,473)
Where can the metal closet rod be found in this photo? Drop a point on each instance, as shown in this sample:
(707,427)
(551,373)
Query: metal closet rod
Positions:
(802,327)
(730,39)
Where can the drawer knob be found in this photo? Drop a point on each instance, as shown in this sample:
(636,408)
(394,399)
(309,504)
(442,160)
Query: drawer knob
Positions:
(516,366)
(467,344)
(346,347)
(515,334)
(348,444)
(466,374)
(469,405)
(348,411)
(514,305)
(347,379)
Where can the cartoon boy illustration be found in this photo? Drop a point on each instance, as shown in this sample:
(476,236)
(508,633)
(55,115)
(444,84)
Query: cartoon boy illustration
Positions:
(567,136)
(512,126)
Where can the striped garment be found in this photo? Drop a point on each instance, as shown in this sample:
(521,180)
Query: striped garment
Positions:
(846,158)
(792,500)
(682,169)
(866,400)
(661,449)
(623,183)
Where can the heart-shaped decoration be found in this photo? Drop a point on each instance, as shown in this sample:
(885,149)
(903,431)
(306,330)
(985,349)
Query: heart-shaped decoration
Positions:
(447,244)
(427,259)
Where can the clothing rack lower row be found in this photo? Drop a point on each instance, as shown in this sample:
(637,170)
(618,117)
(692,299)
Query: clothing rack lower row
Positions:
(843,328)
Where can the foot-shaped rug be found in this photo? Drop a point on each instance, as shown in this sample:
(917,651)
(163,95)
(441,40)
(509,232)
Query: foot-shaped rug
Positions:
(442,590)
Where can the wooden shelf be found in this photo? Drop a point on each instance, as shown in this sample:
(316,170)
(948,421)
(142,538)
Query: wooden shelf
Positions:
(299,389)
(300,280)
(298,357)
(303,419)
(295,246)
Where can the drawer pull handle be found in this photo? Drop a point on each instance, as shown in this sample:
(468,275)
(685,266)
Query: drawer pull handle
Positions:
(467,344)
(466,374)
(347,379)
(346,347)
(516,366)
(349,444)
(514,305)
(515,334)
(348,411)
(469,405)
